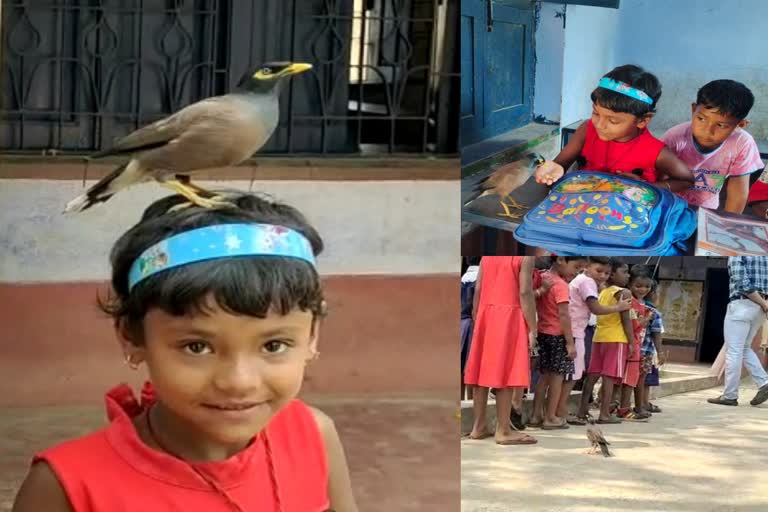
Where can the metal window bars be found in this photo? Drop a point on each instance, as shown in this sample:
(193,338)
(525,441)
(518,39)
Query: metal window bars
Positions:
(78,73)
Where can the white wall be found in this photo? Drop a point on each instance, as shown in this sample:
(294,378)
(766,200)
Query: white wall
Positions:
(374,227)
(550,41)
(687,43)
(590,52)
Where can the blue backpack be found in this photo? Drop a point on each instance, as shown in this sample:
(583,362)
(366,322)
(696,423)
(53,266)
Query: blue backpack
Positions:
(595,213)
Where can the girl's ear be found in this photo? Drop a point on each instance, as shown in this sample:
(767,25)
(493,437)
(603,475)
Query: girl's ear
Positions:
(132,350)
(642,122)
(743,123)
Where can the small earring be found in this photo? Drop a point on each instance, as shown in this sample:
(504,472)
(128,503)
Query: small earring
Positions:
(130,363)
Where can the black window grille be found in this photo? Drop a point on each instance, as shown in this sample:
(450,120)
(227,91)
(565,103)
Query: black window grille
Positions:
(78,73)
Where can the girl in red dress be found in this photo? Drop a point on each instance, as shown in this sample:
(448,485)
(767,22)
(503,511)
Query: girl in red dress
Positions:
(223,307)
(505,328)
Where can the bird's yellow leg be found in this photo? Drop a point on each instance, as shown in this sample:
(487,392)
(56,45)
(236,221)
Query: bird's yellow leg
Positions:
(187,182)
(192,195)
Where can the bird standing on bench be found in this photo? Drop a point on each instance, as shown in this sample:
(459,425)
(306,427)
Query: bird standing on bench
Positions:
(215,132)
(596,438)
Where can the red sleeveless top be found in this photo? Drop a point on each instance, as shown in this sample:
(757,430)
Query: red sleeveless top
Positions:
(638,153)
(113,470)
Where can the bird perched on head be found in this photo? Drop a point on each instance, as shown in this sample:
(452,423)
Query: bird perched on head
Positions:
(596,438)
(214,132)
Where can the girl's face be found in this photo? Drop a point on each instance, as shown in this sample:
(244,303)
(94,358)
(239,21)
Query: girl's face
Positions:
(599,272)
(640,287)
(617,126)
(620,276)
(224,376)
(570,269)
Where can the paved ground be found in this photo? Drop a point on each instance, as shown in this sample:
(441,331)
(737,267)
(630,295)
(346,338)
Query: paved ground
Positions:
(402,452)
(693,457)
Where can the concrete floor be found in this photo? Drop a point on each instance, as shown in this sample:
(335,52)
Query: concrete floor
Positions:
(693,457)
(402,452)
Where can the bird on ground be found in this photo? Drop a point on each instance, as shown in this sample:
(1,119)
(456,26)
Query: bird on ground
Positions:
(596,438)
(215,132)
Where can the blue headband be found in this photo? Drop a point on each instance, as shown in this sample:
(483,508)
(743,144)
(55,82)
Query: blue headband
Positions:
(220,241)
(625,89)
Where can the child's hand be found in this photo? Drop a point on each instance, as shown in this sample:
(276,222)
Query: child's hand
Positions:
(546,284)
(548,173)
(624,304)
(662,359)
(571,348)
(631,354)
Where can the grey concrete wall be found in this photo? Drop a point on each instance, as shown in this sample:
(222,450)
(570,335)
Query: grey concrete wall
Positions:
(370,227)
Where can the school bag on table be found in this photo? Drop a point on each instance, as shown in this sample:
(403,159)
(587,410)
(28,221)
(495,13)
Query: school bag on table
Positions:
(596,213)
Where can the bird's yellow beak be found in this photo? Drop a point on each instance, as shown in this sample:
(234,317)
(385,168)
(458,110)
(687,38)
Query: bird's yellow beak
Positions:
(296,68)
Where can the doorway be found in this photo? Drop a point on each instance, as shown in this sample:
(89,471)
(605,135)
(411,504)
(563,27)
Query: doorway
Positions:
(714,314)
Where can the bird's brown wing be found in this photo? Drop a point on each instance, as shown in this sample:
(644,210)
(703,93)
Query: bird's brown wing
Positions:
(161,132)
(220,136)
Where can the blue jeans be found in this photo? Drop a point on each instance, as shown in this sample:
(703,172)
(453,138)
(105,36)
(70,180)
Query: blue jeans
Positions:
(742,322)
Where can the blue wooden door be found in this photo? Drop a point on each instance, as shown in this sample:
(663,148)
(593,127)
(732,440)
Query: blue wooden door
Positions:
(473,28)
(497,68)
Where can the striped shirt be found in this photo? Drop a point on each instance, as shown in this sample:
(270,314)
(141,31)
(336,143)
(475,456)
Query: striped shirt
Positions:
(748,274)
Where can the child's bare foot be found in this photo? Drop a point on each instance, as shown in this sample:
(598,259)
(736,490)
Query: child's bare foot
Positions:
(513,438)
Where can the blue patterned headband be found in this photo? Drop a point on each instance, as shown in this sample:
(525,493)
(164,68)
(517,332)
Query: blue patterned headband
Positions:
(220,241)
(625,89)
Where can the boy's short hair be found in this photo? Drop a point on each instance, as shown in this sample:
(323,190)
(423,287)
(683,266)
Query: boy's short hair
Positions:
(616,264)
(602,260)
(636,77)
(729,97)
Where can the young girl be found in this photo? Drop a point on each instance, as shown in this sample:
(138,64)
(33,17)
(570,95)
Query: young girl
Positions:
(223,307)
(640,283)
(616,139)
(610,346)
(505,327)
(557,349)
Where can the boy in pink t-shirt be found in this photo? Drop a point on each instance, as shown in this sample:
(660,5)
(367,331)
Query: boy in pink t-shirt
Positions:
(715,146)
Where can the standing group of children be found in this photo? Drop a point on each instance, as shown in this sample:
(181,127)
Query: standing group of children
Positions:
(622,347)
(593,318)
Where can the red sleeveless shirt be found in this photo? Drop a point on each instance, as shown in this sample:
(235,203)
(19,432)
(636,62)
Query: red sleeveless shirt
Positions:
(113,470)
(638,153)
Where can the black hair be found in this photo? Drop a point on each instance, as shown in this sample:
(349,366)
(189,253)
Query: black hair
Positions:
(729,97)
(553,259)
(636,77)
(640,272)
(602,260)
(616,264)
(246,286)
(473,260)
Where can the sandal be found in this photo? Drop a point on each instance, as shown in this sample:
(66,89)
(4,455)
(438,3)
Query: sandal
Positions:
(531,424)
(560,426)
(484,435)
(516,420)
(613,420)
(633,416)
(576,420)
(525,439)
(653,408)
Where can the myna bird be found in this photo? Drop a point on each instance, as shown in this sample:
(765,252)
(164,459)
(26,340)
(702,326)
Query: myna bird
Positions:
(215,132)
(596,438)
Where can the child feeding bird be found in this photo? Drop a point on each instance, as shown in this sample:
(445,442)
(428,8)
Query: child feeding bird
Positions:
(215,132)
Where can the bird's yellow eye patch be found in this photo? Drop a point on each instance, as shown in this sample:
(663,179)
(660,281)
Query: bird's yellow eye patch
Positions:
(263,74)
